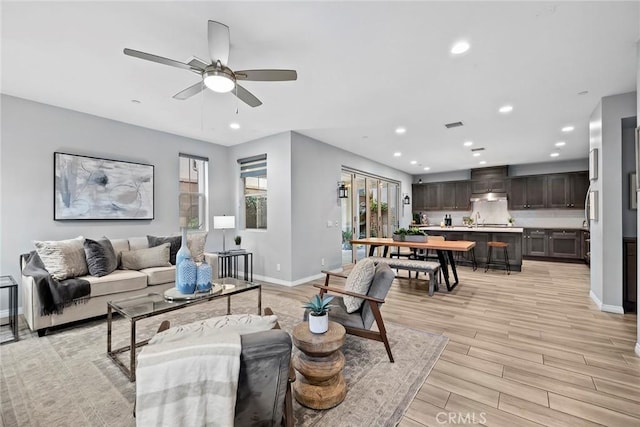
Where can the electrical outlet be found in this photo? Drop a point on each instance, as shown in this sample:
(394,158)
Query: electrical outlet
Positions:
(329,224)
(336,223)
(277,267)
(322,261)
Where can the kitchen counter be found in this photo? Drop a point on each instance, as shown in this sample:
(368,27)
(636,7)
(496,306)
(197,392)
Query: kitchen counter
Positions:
(464,228)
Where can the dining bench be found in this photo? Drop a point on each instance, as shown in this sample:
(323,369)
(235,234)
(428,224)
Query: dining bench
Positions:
(420,266)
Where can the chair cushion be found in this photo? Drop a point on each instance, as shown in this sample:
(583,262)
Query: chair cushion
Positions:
(116,282)
(358,281)
(380,285)
(159,275)
(63,258)
(101,257)
(144,258)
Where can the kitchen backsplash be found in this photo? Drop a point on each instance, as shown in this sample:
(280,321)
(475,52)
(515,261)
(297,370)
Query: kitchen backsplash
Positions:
(497,213)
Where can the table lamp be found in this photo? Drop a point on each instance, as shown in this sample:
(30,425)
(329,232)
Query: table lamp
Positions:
(224,223)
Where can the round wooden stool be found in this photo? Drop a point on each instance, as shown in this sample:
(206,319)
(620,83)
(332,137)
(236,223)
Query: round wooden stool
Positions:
(320,383)
(497,263)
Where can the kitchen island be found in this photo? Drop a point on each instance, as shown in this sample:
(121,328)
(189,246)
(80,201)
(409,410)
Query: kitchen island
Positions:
(481,235)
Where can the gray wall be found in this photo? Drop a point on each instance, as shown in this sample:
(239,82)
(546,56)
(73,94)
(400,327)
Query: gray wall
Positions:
(31,132)
(316,169)
(606,234)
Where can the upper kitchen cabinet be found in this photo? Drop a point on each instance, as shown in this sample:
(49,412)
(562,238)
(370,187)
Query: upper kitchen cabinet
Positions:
(455,195)
(463,195)
(418,196)
(426,196)
(489,180)
(527,192)
(567,190)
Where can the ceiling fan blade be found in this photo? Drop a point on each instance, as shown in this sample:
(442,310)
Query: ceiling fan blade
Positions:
(266,75)
(218,42)
(246,96)
(159,59)
(197,63)
(190,91)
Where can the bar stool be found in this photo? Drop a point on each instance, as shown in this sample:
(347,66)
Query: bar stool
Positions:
(497,263)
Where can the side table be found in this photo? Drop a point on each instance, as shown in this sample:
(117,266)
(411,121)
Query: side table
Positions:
(320,383)
(7,282)
(229,264)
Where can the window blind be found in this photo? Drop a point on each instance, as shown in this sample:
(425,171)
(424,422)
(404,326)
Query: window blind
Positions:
(253,166)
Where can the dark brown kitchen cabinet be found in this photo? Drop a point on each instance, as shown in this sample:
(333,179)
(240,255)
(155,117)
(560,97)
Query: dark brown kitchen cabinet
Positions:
(565,244)
(527,192)
(567,190)
(463,195)
(447,196)
(536,242)
(418,197)
(489,185)
(432,196)
(440,196)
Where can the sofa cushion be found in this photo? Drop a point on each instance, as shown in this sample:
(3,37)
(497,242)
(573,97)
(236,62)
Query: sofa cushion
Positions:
(159,275)
(116,282)
(101,258)
(358,281)
(144,258)
(136,243)
(195,243)
(174,241)
(63,258)
(119,246)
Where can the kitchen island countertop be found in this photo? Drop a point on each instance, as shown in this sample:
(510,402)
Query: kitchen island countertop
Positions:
(480,229)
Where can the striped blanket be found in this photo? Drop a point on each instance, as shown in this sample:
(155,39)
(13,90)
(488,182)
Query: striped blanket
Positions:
(190,382)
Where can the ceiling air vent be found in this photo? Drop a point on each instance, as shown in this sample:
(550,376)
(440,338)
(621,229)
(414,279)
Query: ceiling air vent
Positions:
(453,125)
(473,150)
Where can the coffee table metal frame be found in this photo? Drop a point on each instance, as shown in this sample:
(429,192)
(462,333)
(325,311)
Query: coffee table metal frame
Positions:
(153,304)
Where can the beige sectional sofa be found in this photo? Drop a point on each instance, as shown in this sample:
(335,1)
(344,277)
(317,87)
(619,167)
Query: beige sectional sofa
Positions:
(116,285)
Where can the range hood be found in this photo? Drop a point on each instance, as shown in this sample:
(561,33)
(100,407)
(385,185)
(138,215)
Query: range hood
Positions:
(488,197)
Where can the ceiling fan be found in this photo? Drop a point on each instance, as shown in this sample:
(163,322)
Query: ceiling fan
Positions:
(217,76)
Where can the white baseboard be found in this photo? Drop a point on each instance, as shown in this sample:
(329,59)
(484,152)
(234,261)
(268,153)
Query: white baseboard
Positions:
(617,309)
(295,282)
(4,314)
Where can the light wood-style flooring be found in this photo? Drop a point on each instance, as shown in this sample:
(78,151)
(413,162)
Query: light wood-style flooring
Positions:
(526,349)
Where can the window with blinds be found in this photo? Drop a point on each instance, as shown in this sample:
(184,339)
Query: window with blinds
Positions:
(194,192)
(253,173)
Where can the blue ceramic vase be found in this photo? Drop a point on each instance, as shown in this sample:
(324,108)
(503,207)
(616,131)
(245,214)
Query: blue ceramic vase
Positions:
(185,268)
(203,277)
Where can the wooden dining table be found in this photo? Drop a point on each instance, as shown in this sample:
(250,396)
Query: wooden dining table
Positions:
(444,249)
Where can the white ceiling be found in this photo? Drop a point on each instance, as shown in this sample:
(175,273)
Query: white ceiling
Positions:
(364,68)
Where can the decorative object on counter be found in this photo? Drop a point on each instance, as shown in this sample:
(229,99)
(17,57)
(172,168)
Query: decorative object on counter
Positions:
(511,221)
(238,241)
(203,277)
(411,235)
(318,313)
(424,219)
(416,218)
(468,221)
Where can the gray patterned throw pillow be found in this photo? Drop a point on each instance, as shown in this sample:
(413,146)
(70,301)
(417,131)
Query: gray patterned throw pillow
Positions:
(101,257)
(359,281)
(63,259)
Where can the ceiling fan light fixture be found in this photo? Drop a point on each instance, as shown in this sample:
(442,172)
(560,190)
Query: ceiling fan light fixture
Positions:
(221,81)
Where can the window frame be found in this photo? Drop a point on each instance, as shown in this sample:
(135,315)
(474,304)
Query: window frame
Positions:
(202,193)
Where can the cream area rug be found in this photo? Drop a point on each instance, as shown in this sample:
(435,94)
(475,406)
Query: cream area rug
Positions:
(65,378)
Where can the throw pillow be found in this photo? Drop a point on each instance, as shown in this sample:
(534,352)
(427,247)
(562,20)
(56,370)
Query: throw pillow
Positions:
(195,243)
(158,256)
(359,281)
(174,241)
(101,257)
(237,323)
(63,259)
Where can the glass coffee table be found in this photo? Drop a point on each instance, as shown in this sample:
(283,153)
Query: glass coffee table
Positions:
(153,304)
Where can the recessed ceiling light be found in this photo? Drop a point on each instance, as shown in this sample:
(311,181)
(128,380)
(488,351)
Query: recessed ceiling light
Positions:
(476,154)
(567,129)
(483,162)
(506,109)
(460,47)
(554,154)
(413,162)
(560,144)
(468,143)
(427,168)
(401,130)
(234,126)
(397,154)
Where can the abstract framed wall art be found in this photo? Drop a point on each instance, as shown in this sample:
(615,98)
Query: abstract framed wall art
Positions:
(90,188)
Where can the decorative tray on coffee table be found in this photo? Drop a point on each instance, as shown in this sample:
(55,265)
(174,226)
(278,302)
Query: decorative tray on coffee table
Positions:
(173,294)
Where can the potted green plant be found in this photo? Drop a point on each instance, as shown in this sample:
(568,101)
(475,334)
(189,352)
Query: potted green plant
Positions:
(400,234)
(319,313)
(238,240)
(415,235)
(511,221)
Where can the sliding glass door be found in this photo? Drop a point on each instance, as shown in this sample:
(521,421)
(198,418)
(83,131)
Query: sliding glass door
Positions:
(370,210)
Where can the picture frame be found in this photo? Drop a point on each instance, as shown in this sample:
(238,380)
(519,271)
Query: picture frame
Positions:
(633,194)
(93,188)
(593,164)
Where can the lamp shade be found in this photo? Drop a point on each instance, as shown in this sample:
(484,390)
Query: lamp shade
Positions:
(224,222)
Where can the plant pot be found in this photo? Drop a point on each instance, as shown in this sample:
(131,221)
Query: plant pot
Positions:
(398,237)
(415,238)
(318,324)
